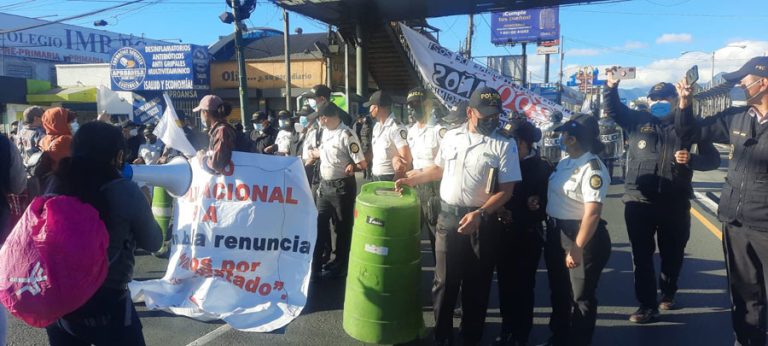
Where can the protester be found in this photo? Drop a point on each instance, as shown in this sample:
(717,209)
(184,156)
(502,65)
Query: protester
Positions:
(14,134)
(522,238)
(391,155)
(468,228)
(199,140)
(58,140)
(13,180)
(32,131)
(577,245)
(263,135)
(657,193)
(92,175)
(152,149)
(133,140)
(743,210)
(213,112)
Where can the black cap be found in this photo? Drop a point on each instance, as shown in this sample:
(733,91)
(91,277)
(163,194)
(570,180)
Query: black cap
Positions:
(259,116)
(556,117)
(379,98)
(305,111)
(757,66)
(523,129)
(486,100)
(149,129)
(582,126)
(457,114)
(416,95)
(320,90)
(662,91)
(328,109)
(283,114)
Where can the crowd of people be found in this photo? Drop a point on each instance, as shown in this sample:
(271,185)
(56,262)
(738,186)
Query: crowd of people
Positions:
(496,197)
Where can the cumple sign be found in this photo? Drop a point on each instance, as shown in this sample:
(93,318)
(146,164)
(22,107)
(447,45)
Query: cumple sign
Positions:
(159,68)
(540,24)
(63,43)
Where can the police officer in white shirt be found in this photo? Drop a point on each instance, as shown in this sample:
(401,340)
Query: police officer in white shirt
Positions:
(578,245)
(424,139)
(340,156)
(391,155)
(477,168)
(151,151)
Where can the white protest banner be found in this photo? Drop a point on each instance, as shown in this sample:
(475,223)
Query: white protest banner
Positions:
(169,130)
(241,247)
(452,78)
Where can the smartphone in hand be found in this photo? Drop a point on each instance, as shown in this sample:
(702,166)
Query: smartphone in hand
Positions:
(692,76)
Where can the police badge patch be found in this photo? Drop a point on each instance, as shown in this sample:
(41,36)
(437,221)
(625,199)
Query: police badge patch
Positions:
(354,148)
(404,134)
(641,144)
(595,182)
(442,132)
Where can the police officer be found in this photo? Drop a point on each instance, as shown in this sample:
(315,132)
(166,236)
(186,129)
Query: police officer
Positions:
(657,194)
(424,141)
(457,116)
(550,146)
(613,140)
(522,238)
(263,135)
(477,168)
(743,209)
(577,245)
(321,95)
(340,156)
(391,155)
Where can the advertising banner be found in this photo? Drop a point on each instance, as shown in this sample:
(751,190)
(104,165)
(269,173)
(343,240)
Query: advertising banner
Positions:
(159,68)
(241,246)
(539,24)
(452,78)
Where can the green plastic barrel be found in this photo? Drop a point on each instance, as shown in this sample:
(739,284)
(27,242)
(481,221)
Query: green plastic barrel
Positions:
(162,209)
(383,296)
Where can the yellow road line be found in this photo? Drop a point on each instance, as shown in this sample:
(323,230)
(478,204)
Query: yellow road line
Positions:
(706,223)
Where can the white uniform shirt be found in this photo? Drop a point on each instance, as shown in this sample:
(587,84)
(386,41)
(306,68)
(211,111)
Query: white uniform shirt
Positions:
(575,182)
(387,139)
(467,158)
(309,144)
(339,148)
(283,141)
(424,144)
(151,152)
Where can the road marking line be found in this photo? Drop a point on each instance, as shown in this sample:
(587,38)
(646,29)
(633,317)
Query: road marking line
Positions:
(706,223)
(207,338)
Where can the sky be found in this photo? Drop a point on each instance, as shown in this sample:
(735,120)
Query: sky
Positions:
(647,34)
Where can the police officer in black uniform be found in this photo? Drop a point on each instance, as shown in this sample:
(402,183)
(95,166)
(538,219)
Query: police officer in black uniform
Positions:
(744,201)
(657,194)
(550,139)
(322,96)
(522,238)
(478,168)
(612,138)
(263,135)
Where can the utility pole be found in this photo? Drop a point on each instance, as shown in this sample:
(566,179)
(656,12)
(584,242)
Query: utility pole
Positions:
(560,84)
(287,45)
(525,65)
(470,33)
(241,68)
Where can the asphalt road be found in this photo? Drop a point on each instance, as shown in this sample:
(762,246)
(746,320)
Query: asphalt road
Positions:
(703,320)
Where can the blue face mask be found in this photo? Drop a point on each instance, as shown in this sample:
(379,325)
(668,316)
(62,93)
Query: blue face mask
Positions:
(258,127)
(661,109)
(304,121)
(561,142)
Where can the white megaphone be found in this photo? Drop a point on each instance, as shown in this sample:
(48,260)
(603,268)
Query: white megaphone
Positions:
(175,176)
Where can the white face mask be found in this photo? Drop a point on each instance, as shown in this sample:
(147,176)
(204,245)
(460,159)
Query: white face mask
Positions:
(134,132)
(312,103)
(74,126)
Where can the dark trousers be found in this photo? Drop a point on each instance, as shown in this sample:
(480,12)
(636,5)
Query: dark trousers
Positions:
(746,258)
(108,318)
(463,262)
(573,292)
(335,202)
(518,259)
(670,223)
(429,195)
(386,177)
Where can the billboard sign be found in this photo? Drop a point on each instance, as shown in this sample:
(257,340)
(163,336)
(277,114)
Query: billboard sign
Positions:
(159,68)
(540,24)
(61,43)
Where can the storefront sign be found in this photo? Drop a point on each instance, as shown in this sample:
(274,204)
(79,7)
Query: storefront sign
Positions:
(169,67)
(268,74)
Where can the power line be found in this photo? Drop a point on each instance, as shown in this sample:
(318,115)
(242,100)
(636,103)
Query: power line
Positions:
(667,14)
(71,17)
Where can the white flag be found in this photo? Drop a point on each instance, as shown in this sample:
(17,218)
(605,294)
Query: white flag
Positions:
(170,131)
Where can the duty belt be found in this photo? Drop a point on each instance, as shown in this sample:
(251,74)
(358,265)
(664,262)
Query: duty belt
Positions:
(456,210)
(336,182)
(569,227)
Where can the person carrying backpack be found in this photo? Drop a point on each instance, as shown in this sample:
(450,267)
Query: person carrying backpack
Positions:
(13,180)
(92,175)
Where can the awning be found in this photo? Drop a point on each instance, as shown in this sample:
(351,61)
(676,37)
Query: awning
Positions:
(74,94)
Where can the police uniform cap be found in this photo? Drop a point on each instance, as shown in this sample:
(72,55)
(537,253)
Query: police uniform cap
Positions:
(305,111)
(524,130)
(662,91)
(486,100)
(757,66)
(379,98)
(319,90)
(283,114)
(457,114)
(582,126)
(259,116)
(416,95)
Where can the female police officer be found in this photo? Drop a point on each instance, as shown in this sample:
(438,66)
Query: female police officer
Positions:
(577,246)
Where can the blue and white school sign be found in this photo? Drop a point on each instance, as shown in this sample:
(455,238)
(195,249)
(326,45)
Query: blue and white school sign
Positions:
(159,68)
